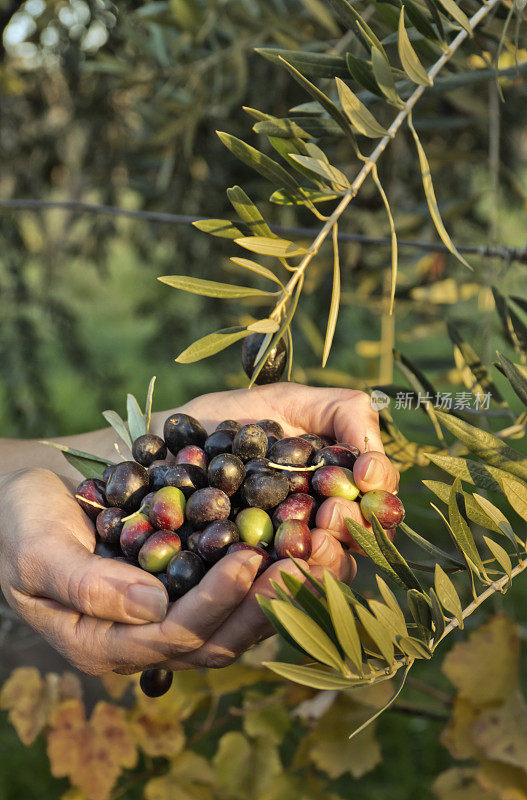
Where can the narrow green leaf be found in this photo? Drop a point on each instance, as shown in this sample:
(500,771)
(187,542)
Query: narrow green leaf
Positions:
(265,605)
(431,198)
(390,599)
(316,65)
(308,676)
(420,21)
(362,72)
(136,420)
(487,446)
(261,163)
(223,228)
(285,128)
(335,177)
(516,378)
(335,299)
(500,554)
(380,635)
(413,647)
(393,556)
(411,64)
(473,510)
(314,606)
(248,212)
(388,618)
(479,371)
(452,8)
(420,610)
(281,248)
(361,118)
(119,426)
(393,234)
(266,325)
(499,520)
(438,618)
(367,541)
(383,75)
(308,634)
(87,464)
(148,404)
(447,595)
(327,104)
(253,266)
(211,344)
(210,288)
(283,198)
(343,621)
(390,702)
(317,585)
(421,385)
(460,528)
(436,16)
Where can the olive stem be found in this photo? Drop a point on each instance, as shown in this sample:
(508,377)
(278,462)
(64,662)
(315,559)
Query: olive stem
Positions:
(371,162)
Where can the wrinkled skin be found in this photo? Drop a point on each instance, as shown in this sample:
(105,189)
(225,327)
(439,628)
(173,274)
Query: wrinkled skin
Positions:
(95,611)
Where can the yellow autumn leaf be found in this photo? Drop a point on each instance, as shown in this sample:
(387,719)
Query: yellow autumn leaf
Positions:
(236,677)
(485,668)
(502,781)
(501,732)
(189,778)
(457,736)
(459,783)
(244,770)
(265,718)
(116,685)
(92,754)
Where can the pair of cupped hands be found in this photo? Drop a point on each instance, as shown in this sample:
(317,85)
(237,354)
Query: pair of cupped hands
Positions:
(105,615)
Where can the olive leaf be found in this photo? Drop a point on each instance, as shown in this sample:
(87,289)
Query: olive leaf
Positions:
(335,177)
(308,635)
(223,228)
(411,64)
(361,118)
(343,621)
(148,403)
(500,554)
(335,299)
(211,344)
(253,266)
(316,65)
(452,8)
(447,595)
(309,676)
(362,72)
(388,617)
(87,464)
(499,521)
(419,606)
(460,529)
(380,635)
(516,377)
(310,603)
(480,373)
(119,426)
(211,288)
(383,75)
(261,163)
(367,541)
(136,420)
(248,212)
(393,556)
(473,509)
(438,618)
(281,248)
(393,234)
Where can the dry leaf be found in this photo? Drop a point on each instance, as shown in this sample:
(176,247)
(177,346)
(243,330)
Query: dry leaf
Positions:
(457,736)
(502,781)
(501,732)
(188,778)
(459,783)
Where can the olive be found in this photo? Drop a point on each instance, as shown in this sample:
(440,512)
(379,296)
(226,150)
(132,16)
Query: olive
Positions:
(156,682)
(265,491)
(293,451)
(184,572)
(180,430)
(149,448)
(207,505)
(109,524)
(219,442)
(226,472)
(275,362)
(90,495)
(272,430)
(250,442)
(127,485)
(216,539)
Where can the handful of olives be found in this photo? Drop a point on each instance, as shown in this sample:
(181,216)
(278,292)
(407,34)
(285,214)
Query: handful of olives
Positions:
(243,487)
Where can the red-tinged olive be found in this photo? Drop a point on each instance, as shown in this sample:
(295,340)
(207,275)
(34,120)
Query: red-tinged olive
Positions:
(192,454)
(299,481)
(273,430)
(127,485)
(216,539)
(334,482)
(265,491)
(293,538)
(167,509)
(255,526)
(275,362)
(90,495)
(109,524)
(207,505)
(337,455)
(219,442)
(106,550)
(193,541)
(158,550)
(155,682)
(186,477)
(250,442)
(250,548)
(183,573)
(149,448)
(226,472)
(293,451)
(229,424)
(134,533)
(180,430)
(317,441)
(386,506)
(298,506)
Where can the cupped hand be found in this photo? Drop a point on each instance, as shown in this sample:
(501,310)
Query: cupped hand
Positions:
(106,615)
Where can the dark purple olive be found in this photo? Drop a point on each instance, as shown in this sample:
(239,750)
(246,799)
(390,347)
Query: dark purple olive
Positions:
(106,550)
(183,573)
(156,475)
(294,452)
(180,430)
(258,465)
(192,454)
(186,477)
(250,442)
(107,472)
(265,491)
(297,506)
(90,495)
(317,441)
(274,364)
(193,541)
(337,455)
(293,538)
(127,485)
(109,525)
(229,425)
(155,682)
(207,505)
(226,472)
(216,539)
(272,430)
(266,558)
(149,448)
(219,442)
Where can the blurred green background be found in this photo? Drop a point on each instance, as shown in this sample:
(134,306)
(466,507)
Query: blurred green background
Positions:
(117,104)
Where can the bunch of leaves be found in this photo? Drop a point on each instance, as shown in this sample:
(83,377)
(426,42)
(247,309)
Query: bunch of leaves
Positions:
(241,716)
(390,74)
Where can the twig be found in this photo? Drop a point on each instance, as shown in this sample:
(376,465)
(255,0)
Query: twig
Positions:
(431,691)
(34,204)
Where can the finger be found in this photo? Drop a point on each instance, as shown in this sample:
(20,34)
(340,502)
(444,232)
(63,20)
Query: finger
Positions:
(331,516)
(247,626)
(328,553)
(373,470)
(59,568)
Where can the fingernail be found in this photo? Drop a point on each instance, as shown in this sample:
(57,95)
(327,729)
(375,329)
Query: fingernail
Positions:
(321,549)
(335,520)
(146,603)
(374,471)
(250,567)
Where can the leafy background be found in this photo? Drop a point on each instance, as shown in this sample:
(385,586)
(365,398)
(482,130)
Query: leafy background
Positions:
(118,105)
